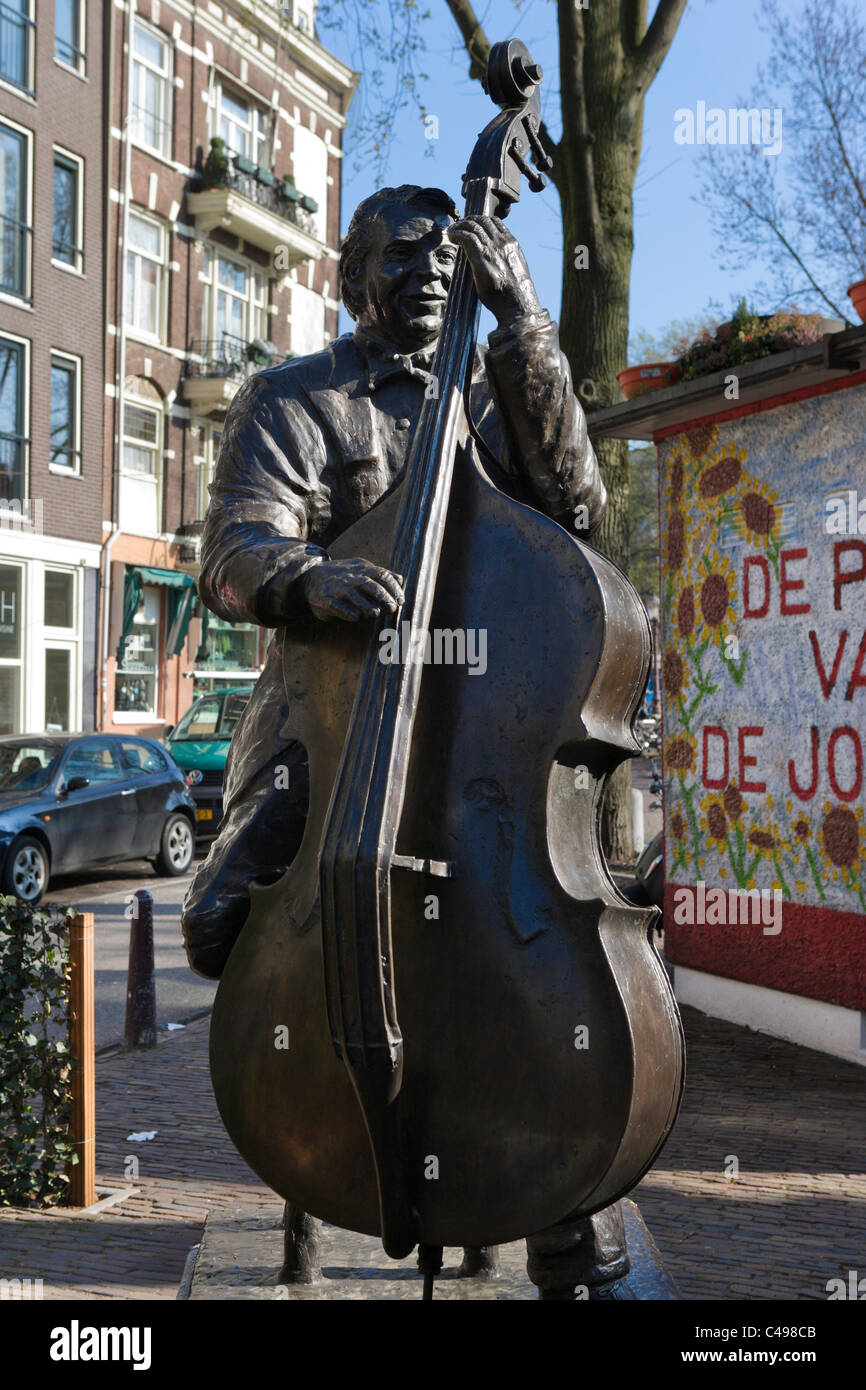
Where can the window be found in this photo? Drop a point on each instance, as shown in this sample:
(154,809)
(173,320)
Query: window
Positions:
(13,445)
(206,461)
(233,307)
(308,321)
(151,90)
(17,32)
(310,167)
(10,648)
(59,599)
(230,647)
(303,17)
(69,33)
(65,413)
(66,247)
(142,758)
(15,227)
(135,682)
(140,469)
(145,275)
(96,760)
(243,127)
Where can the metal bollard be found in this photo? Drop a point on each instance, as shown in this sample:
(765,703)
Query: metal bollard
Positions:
(141,982)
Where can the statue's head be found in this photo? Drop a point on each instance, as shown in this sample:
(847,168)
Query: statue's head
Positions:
(396,264)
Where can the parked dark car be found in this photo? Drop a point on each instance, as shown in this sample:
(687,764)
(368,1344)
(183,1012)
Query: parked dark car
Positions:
(72,801)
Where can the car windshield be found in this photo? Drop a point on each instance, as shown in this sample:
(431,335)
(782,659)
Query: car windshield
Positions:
(28,765)
(212,718)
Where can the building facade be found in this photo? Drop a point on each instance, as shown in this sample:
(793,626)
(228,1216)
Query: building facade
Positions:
(51,361)
(223,195)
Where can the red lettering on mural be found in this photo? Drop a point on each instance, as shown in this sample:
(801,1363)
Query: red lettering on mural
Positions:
(858,676)
(760,611)
(745,760)
(805,793)
(714,783)
(787,557)
(845,731)
(828,682)
(841,576)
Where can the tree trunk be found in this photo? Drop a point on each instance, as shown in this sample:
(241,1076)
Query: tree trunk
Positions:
(608,57)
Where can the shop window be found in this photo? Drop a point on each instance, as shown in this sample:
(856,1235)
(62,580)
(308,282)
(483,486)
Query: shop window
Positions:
(137,674)
(10,649)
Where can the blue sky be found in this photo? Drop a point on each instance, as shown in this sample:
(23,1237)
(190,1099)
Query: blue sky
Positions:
(675,270)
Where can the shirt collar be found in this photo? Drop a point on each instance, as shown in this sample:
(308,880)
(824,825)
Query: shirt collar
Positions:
(383,362)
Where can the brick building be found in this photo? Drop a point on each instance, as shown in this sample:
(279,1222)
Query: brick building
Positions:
(222,258)
(51,360)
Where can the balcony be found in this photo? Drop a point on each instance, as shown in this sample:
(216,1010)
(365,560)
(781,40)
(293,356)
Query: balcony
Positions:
(16,31)
(254,204)
(15,239)
(216,367)
(13,467)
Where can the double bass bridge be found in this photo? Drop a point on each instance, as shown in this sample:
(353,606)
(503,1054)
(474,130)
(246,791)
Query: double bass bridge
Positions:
(439,868)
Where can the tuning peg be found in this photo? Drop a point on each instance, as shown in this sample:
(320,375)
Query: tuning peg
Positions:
(536,181)
(539,153)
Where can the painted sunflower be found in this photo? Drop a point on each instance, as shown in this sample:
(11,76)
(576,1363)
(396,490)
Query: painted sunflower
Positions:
(841,841)
(714,819)
(681,753)
(676,676)
(719,477)
(757,513)
(716,599)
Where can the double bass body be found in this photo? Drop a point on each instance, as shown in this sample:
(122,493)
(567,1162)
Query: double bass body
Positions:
(543,1057)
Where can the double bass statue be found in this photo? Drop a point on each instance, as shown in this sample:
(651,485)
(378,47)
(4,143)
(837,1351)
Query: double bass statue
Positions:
(479,1041)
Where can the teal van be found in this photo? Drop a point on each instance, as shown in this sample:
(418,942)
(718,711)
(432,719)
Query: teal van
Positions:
(199,745)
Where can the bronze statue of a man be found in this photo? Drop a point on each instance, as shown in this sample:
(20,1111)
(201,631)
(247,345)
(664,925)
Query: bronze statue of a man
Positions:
(310,446)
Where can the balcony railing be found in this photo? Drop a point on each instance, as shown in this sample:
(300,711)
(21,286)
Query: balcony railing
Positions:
(224,357)
(15,256)
(15,29)
(13,467)
(262,187)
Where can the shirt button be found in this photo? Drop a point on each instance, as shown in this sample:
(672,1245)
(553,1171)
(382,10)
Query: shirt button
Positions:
(402,424)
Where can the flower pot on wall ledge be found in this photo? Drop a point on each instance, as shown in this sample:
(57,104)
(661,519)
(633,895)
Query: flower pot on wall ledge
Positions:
(647,376)
(857,295)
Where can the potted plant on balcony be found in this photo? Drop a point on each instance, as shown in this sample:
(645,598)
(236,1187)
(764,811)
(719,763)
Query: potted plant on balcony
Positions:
(857,295)
(309,204)
(287,189)
(215,171)
(647,376)
(749,336)
(264,176)
(244,165)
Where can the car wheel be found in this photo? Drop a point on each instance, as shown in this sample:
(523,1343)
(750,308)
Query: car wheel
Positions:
(176,847)
(26,873)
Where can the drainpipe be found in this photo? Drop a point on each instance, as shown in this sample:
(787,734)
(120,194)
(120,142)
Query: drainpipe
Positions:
(120,380)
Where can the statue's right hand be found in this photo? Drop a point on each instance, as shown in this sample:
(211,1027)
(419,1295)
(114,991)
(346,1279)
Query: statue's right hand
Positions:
(351,589)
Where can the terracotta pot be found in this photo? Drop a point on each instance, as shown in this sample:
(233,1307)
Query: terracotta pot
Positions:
(647,376)
(857,296)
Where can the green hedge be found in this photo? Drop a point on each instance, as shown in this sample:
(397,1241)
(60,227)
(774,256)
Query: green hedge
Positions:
(35,1066)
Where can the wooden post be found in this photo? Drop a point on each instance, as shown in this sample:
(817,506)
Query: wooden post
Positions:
(82,1188)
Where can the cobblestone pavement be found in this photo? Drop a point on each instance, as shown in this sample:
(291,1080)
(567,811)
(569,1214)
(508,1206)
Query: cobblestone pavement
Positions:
(793,1218)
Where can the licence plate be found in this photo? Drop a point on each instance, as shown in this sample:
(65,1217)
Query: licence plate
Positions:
(203,814)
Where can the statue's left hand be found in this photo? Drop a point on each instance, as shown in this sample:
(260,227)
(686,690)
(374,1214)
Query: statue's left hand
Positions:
(498,267)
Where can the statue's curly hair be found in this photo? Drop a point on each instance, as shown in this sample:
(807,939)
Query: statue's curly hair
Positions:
(356,244)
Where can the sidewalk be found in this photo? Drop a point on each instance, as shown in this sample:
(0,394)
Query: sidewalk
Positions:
(794,1218)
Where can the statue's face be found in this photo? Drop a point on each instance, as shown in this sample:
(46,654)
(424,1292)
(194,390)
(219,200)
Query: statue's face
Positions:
(407,276)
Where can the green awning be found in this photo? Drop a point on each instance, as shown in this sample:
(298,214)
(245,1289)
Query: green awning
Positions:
(181,601)
(173,579)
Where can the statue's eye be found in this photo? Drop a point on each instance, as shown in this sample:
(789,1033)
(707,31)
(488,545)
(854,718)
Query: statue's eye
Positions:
(447,254)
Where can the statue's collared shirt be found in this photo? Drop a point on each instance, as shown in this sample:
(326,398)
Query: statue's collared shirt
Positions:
(309,446)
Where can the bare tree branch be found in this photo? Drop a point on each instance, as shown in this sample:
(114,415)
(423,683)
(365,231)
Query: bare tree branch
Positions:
(656,41)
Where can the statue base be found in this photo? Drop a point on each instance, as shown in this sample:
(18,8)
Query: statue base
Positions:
(240,1256)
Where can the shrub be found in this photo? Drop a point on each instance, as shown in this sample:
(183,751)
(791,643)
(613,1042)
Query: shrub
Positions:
(747,337)
(35,1065)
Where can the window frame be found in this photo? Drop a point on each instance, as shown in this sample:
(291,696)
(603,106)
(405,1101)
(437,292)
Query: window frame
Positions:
(152,715)
(138,66)
(75,163)
(28,87)
(158,450)
(19,663)
(210,295)
(257,137)
(78,64)
(161,261)
(67,361)
(23,437)
(25,224)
